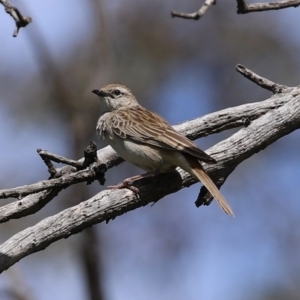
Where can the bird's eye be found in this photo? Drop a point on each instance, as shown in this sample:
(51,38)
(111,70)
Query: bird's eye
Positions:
(117,92)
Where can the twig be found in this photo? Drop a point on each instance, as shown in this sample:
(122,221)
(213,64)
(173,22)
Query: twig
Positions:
(46,159)
(196,15)
(261,81)
(90,157)
(20,20)
(46,155)
(244,8)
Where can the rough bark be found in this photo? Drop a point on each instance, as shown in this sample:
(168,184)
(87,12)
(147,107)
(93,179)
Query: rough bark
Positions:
(263,123)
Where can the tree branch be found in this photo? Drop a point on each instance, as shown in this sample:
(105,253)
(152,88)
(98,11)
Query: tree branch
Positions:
(244,8)
(46,190)
(261,81)
(196,15)
(109,204)
(20,20)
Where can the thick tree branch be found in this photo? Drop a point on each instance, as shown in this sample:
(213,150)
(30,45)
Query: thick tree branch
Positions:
(46,190)
(196,15)
(212,123)
(244,8)
(20,20)
(109,204)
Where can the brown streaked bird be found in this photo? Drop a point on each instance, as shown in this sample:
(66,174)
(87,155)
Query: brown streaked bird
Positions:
(148,141)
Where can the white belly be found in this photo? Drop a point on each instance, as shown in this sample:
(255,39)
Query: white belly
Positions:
(142,156)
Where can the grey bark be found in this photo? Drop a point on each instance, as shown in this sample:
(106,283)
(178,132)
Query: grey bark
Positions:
(263,123)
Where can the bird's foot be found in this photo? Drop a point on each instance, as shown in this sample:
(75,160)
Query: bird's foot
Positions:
(127,183)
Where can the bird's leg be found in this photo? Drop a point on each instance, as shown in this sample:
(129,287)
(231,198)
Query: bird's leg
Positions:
(127,183)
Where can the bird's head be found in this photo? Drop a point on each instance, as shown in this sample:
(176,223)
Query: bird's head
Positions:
(114,97)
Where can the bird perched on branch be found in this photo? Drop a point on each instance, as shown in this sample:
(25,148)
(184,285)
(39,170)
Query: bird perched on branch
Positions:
(148,141)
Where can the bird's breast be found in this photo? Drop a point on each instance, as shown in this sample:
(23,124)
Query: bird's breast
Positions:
(143,156)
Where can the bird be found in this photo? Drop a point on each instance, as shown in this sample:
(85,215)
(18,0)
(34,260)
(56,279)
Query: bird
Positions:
(148,141)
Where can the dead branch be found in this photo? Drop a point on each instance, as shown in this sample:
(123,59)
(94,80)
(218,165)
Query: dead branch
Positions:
(39,194)
(109,204)
(262,124)
(212,123)
(195,15)
(244,8)
(20,20)
(261,81)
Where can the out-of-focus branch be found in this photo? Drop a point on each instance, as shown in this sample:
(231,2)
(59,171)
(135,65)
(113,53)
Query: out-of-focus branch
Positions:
(18,288)
(244,8)
(109,204)
(20,20)
(195,15)
(90,250)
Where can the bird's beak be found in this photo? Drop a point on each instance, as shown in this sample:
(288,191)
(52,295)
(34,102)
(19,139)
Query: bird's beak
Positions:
(99,93)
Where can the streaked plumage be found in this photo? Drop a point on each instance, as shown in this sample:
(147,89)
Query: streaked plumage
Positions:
(147,140)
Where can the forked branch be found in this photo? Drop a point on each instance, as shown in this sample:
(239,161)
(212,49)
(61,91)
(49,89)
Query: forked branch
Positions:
(262,124)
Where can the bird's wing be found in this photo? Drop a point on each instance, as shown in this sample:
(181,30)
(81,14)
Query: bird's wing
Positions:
(146,127)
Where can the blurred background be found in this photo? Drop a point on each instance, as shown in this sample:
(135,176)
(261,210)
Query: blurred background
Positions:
(182,69)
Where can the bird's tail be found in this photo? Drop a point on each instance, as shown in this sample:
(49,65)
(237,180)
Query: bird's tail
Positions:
(198,171)
(208,183)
